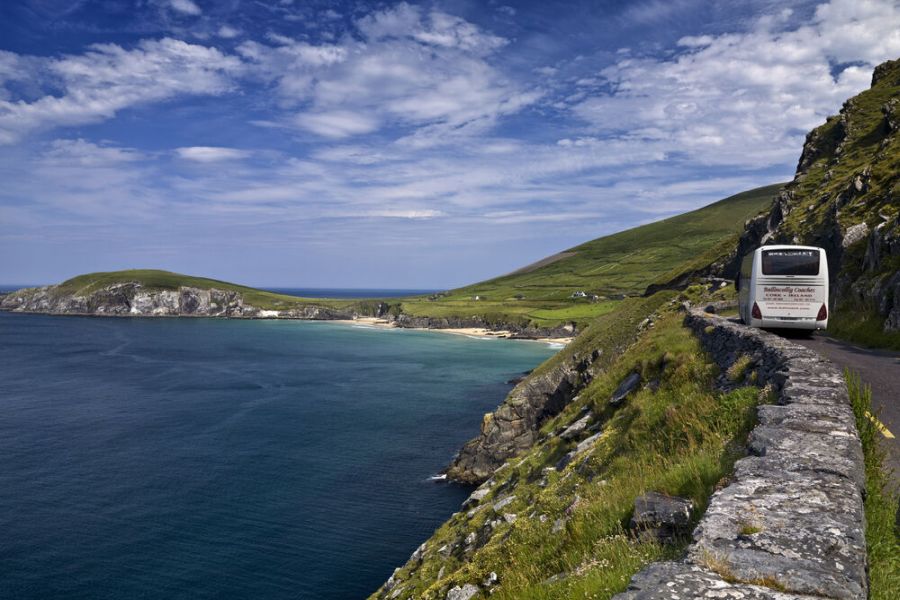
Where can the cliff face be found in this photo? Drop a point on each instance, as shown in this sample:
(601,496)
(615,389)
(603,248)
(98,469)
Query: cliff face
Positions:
(514,426)
(845,198)
(132,299)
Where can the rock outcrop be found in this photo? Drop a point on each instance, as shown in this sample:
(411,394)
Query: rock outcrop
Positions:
(513,427)
(844,197)
(791,523)
(133,299)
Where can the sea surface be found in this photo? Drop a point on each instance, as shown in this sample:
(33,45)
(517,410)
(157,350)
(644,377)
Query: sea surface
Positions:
(205,458)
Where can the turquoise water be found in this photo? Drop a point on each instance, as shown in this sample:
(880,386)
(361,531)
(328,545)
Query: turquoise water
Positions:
(203,458)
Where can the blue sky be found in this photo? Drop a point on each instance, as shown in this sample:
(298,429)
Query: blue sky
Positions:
(424,145)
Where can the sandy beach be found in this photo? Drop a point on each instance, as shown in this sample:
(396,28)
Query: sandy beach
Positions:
(468,331)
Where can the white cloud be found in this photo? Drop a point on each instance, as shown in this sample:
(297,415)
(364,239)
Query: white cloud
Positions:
(79,152)
(746,98)
(336,124)
(405,214)
(108,78)
(228,32)
(428,71)
(187,7)
(210,154)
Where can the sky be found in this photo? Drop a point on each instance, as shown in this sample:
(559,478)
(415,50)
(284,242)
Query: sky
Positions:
(306,143)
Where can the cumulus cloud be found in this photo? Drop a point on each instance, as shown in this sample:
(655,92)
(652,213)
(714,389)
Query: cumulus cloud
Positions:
(108,78)
(747,98)
(228,32)
(424,70)
(336,123)
(187,7)
(210,154)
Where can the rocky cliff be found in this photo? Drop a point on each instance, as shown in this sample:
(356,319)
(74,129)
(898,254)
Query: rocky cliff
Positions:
(513,427)
(134,299)
(845,198)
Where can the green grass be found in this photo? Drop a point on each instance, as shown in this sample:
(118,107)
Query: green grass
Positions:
(679,437)
(154,279)
(882,532)
(861,326)
(624,263)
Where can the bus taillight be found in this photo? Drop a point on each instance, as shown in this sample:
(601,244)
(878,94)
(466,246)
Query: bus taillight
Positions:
(755,312)
(823,313)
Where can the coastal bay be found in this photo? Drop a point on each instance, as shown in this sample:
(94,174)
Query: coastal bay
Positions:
(176,458)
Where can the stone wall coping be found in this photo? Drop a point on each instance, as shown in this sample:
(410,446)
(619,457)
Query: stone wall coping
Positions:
(791,522)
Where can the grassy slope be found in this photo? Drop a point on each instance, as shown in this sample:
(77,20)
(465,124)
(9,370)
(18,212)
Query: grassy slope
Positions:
(679,439)
(166,280)
(866,145)
(622,263)
(882,528)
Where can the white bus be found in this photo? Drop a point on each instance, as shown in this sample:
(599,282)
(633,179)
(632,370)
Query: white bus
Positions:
(784,286)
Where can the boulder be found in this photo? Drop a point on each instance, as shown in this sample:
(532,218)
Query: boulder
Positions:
(665,517)
(576,428)
(628,385)
(466,592)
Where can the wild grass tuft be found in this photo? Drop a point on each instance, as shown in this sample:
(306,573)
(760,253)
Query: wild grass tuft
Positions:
(882,530)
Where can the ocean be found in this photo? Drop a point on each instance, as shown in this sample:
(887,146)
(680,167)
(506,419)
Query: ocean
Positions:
(205,458)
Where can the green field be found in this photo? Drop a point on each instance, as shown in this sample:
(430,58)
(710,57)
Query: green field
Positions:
(624,263)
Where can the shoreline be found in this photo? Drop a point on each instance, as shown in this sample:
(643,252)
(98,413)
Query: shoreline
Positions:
(478,332)
(372,322)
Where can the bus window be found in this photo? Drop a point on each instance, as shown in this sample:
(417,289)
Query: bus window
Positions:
(790,262)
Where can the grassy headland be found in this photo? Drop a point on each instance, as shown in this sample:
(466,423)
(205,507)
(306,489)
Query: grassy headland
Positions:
(154,279)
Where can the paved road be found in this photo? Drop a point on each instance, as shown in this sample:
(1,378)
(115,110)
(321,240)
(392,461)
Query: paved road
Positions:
(879,369)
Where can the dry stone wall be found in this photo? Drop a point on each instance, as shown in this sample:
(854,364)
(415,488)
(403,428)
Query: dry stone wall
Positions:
(790,524)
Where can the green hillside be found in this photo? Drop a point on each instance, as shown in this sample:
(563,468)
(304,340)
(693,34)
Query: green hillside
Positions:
(624,263)
(846,198)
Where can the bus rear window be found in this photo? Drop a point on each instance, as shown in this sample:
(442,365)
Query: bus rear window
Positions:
(790,262)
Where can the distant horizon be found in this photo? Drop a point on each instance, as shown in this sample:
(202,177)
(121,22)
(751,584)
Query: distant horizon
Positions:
(276,288)
(395,143)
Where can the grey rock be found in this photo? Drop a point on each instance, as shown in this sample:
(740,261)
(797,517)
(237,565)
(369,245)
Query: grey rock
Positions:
(628,385)
(466,592)
(500,505)
(665,517)
(576,428)
(854,234)
(683,581)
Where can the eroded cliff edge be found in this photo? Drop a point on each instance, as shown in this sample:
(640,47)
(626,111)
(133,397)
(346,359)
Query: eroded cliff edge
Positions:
(513,426)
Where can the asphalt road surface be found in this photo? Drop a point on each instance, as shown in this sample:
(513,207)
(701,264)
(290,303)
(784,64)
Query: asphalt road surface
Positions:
(879,369)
